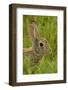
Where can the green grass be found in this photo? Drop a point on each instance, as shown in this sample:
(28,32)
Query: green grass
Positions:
(47,27)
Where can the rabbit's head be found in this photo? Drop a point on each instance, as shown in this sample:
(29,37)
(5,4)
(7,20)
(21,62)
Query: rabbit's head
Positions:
(44,47)
(39,45)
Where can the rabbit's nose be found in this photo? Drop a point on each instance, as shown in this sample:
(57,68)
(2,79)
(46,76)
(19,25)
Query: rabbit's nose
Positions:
(41,44)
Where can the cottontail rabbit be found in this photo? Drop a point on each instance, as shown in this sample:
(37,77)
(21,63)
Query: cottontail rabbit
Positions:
(40,46)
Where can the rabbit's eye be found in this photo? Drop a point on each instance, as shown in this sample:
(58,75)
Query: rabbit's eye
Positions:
(41,44)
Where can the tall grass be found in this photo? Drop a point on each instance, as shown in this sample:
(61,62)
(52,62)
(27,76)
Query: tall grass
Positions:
(47,27)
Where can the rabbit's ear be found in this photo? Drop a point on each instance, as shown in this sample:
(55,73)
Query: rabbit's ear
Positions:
(33,31)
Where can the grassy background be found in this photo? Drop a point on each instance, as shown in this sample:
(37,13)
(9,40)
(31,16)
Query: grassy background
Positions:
(47,26)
